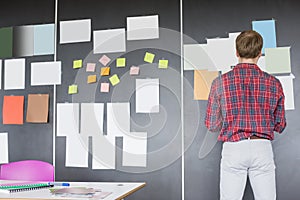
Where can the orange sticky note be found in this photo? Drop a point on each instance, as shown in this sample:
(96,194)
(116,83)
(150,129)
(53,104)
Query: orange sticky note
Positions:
(13,109)
(105,71)
(92,79)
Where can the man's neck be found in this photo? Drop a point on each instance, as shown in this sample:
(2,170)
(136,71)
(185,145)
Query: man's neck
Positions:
(248,60)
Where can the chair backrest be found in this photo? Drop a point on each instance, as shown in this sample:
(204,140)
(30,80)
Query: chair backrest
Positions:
(29,170)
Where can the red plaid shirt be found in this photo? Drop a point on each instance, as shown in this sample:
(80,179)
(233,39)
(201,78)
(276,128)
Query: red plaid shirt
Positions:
(243,102)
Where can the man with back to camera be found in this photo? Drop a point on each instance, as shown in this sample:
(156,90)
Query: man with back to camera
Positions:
(246,105)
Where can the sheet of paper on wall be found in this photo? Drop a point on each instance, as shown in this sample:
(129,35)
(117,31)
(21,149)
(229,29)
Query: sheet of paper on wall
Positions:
(147,95)
(92,125)
(202,83)
(3,148)
(142,27)
(266,28)
(196,57)
(278,60)
(67,118)
(135,149)
(45,73)
(14,74)
(6,41)
(288,89)
(222,53)
(118,119)
(44,39)
(13,110)
(37,108)
(73,31)
(109,41)
(23,44)
(76,150)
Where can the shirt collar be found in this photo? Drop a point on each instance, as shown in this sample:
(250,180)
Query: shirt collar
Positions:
(247,65)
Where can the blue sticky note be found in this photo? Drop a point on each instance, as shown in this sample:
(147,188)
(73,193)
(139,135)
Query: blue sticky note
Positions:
(267,30)
(43,39)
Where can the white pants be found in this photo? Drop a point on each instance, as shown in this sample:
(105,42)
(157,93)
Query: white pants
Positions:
(247,157)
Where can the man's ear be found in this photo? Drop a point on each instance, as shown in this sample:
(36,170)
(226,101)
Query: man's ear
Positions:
(237,54)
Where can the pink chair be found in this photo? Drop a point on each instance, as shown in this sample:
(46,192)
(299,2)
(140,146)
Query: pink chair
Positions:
(28,170)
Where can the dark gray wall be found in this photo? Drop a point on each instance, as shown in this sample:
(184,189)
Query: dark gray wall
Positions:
(201,19)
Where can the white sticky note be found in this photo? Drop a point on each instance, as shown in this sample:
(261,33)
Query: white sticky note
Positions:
(288,90)
(76,151)
(142,27)
(74,31)
(147,95)
(118,119)
(14,74)
(67,118)
(109,41)
(135,149)
(3,148)
(46,73)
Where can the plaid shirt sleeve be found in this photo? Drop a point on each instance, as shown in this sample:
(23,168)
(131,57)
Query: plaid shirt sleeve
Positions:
(214,119)
(279,113)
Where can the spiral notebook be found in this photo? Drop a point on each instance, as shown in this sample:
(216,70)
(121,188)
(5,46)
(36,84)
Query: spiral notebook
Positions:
(19,187)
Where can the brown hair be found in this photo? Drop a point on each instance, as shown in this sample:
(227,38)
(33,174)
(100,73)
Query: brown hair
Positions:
(249,44)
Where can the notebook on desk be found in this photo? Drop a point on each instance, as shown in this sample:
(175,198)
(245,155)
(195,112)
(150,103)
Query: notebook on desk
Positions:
(24,186)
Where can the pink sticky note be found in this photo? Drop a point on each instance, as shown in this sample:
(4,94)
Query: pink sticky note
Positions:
(134,70)
(90,67)
(104,87)
(104,60)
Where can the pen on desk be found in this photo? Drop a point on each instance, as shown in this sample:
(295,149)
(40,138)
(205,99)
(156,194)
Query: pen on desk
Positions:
(59,184)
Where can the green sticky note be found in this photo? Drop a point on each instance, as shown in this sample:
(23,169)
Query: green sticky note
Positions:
(73,89)
(163,64)
(77,64)
(121,62)
(149,57)
(6,42)
(114,80)
(278,60)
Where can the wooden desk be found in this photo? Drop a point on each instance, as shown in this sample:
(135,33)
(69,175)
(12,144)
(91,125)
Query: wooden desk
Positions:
(119,190)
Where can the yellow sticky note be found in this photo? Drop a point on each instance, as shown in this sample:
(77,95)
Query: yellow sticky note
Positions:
(92,79)
(73,89)
(121,62)
(163,64)
(149,57)
(114,80)
(105,71)
(77,64)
